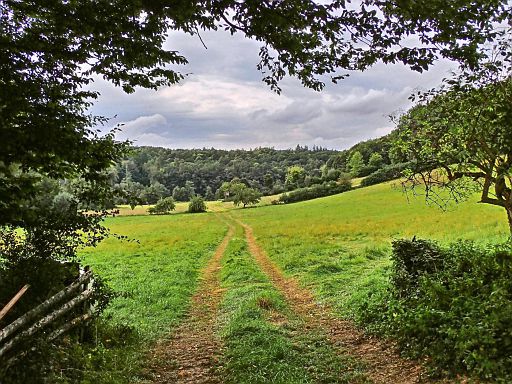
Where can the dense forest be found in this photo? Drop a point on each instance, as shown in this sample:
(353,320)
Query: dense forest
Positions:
(150,173)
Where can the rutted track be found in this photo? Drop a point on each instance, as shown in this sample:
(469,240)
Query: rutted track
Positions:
(191,353)
(383,363)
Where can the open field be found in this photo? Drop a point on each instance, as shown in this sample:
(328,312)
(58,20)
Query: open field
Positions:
(336,246)
(265,341)
(339,245)
(181,207)
(155,277)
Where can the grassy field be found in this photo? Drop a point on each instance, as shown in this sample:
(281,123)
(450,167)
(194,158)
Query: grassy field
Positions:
(156,271)
(338,245)
(264,341)
(181,207)
(155,274)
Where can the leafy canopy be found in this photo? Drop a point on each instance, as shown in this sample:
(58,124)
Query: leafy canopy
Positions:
(459,135)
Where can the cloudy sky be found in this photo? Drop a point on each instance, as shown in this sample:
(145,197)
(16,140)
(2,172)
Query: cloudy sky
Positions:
(224,104)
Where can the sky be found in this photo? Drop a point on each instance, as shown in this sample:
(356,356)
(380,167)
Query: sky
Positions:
(223,103)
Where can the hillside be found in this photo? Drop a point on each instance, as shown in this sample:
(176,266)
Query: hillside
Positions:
(150,173)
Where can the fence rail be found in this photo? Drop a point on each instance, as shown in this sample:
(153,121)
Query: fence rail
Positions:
(49,312)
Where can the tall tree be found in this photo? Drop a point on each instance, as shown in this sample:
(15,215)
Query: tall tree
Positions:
(355,163)
(459,135)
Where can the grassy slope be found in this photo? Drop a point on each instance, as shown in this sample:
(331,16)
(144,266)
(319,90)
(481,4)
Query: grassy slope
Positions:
(156,276)
(340,244)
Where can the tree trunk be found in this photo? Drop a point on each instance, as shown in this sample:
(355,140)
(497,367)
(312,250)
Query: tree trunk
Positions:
(509,216)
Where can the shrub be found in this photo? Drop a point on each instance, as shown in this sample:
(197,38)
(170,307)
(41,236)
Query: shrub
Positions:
(451,304)
(317,190)
(196,205)
(411,260)
(389,172)
(163,206)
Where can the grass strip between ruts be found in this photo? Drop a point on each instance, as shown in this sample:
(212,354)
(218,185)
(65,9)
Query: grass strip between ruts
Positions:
(264,341)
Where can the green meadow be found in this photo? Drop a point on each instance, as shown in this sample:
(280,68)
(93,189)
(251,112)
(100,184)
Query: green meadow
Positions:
(264,341)
(155,269)
(338,246)
(154,273)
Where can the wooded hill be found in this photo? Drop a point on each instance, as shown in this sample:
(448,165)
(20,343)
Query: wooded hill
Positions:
(152,172)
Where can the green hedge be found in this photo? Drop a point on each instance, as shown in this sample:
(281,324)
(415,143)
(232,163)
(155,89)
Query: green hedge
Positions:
(451,304)
(317,190)
(389,172)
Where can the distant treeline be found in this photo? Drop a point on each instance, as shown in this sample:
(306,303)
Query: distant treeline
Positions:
(149,173)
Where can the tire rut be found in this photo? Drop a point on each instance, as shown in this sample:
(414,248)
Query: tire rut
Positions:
(191,353)
(382,362)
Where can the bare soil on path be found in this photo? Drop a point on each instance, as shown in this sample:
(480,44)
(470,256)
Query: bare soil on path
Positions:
(383,364)
(191,353)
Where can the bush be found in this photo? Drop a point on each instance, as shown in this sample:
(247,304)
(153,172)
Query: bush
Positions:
(451,304)
(317,190)
(411,260)
(163,206)
(22,261)
(389,172)
(196,205)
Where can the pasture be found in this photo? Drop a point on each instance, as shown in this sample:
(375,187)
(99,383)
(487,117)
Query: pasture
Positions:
(340,244)
(336,246)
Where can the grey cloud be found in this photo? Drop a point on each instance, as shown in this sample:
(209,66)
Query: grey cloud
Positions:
(298,112)
(224,104)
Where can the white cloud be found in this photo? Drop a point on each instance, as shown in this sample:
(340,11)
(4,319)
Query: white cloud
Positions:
(145,130)
(225,105)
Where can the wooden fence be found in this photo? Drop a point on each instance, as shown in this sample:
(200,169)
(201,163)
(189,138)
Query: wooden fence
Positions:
(14,337)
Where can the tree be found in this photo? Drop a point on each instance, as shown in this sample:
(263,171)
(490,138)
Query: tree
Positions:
(355,163)
(209,195)
(196,205)
(132,193)
(163,206)
(268,182)
(295,176)
(154,192)
(376,160)
(189,189)
(246,196)
(459,135)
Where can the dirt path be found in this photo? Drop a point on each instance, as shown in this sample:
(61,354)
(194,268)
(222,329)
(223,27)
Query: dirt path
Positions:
(190,354)
(383,364)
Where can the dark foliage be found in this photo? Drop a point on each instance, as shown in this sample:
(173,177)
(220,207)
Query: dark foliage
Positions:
(189,171)
(44,254)
(451,304)
(386,173)
(315,191)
